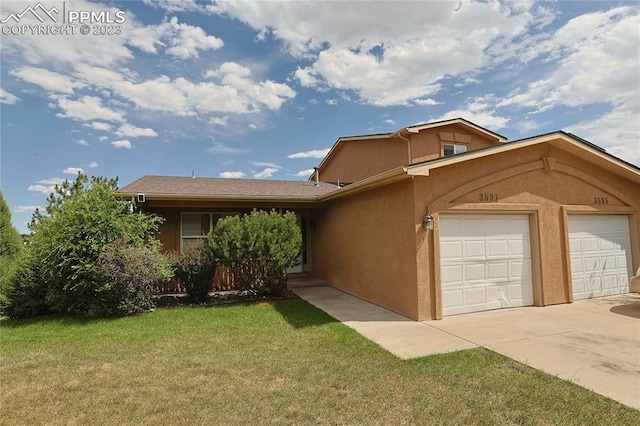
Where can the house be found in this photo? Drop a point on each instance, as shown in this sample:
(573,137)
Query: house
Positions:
(441,218)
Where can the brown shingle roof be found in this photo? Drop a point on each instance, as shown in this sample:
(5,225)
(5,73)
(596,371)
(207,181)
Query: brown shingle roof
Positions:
(202,187)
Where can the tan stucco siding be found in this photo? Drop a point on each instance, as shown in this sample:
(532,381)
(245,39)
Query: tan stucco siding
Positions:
(366,247)
(520,181)
(354,160)
(427,145)
(358,159)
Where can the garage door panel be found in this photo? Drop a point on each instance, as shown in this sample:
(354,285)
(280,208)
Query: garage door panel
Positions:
(496,262)
(474,249)
(474,272)
(451,275)
(600,252)
(498,271)
(451,250)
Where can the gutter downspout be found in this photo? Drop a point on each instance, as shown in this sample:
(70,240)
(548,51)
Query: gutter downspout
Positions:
(399,134)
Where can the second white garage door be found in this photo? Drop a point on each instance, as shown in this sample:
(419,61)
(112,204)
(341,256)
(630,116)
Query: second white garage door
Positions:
(485,262)
(600,251)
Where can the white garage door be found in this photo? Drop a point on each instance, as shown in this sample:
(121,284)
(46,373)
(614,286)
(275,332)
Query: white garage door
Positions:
(485,262)
(600,252)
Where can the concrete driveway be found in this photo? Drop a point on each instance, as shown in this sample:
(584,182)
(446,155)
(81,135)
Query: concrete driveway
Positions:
(594,343)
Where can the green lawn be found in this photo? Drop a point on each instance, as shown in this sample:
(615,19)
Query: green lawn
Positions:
(285,363)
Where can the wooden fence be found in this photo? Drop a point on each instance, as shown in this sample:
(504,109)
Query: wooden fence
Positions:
(222,280)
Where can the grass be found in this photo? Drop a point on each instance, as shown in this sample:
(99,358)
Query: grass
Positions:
(284,363)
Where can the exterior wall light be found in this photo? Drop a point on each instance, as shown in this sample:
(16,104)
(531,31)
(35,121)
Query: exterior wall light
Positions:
(427,222)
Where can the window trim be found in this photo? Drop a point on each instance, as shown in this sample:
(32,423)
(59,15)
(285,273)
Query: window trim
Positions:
(211,224)
(454,145)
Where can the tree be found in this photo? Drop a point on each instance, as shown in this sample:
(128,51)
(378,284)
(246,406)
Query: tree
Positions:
(10,240)
(10,248)
(82,220)
(258,248)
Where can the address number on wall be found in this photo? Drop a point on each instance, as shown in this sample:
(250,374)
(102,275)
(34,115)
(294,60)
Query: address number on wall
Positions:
(488,196)
(600,200)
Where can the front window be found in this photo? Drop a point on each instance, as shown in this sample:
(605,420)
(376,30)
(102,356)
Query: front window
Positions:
(451,149)
(196,226)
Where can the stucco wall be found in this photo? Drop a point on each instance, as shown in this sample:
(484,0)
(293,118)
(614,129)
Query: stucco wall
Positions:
(354,160)
(366,247)
(521,182)
(427,145)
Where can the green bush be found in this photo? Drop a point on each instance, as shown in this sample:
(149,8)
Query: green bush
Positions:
(130,274)
(10,248)
(258,248)
(82,218)
(25,295)
(196,267)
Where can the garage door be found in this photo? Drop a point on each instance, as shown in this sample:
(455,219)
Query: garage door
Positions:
(600,251)
(485,262)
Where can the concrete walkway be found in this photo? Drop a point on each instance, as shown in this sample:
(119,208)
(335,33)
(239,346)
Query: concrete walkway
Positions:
(594,343)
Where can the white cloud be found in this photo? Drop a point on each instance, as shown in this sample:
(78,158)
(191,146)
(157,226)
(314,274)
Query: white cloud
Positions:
(600,38)
(314,153)
(382,62)
(97,125)
(175,5)
(252,126)
(305,173)
(87,108)
(124,143)
(131,131)
(26,209)
(182,40)
(390,121)
(219,121)
(480,110)
(262,164)
(93,164)
(266,173)
(617,131)
(46,186)
(232,175)
(7,98)
(48,80)
(82,142)
(332,102)
(218,148)
(72,170)
(425,102)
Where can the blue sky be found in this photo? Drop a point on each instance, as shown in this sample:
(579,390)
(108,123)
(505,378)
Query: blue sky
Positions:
(264,89)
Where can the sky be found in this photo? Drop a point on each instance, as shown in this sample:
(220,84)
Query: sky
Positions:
(263,89)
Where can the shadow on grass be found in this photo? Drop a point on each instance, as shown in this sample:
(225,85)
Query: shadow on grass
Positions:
(300,314)
(57,319)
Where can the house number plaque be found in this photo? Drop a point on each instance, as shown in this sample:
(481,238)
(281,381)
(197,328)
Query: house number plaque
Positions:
(488,196)
(600,200)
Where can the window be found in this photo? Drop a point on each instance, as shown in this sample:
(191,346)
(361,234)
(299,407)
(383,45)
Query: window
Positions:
(195,226)
(452,148)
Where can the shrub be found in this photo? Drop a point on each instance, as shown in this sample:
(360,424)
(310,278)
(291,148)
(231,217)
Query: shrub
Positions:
(258,248)
(130,274)
(196,267)
(82,218)
(25,296)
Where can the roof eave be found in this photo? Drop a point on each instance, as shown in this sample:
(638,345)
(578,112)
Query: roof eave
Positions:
(372,182)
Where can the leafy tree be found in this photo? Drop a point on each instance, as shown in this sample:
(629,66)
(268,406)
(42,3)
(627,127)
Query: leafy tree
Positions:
(10,248)
(82,218)
(258,248)
(10,240)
